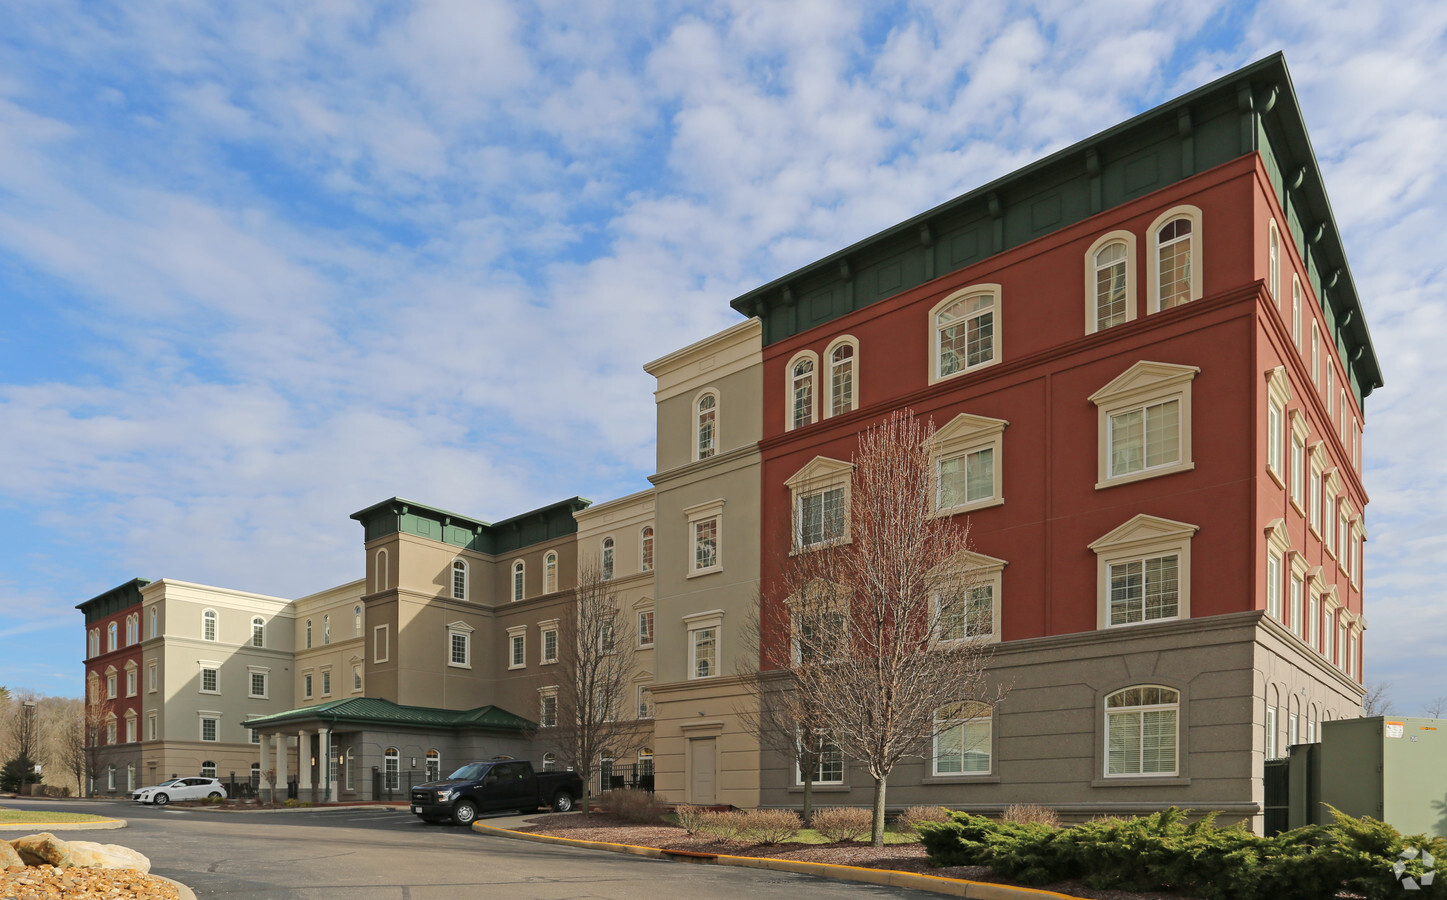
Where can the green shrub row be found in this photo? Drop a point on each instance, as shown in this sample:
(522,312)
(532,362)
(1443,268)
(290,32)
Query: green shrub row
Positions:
(1164,852)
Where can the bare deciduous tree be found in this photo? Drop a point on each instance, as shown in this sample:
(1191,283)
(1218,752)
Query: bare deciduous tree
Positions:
(595,672)
(1436,707)
(776,714)
(69,732)
(99,712)
(1378,701)
(877,617)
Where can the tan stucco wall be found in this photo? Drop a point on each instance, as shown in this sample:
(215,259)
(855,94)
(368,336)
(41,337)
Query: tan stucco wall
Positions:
(708,708)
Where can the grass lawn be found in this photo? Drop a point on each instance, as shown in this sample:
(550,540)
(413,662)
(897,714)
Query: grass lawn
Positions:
(27,817)
(810,836)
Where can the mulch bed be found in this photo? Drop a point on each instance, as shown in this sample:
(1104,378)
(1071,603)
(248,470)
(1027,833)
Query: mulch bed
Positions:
(899,857)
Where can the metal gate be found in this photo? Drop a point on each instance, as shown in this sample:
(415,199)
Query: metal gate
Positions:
(1277,788)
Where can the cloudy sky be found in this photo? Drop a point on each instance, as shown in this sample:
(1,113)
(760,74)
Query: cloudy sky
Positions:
(262,265)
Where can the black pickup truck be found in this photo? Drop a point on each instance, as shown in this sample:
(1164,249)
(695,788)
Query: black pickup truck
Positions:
(494,784)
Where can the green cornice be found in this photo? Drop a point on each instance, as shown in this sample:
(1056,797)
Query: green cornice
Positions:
(380,713)
(114,600)
(1252,109)
(409,517)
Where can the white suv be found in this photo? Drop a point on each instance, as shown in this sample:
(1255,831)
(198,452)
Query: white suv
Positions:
(181,789)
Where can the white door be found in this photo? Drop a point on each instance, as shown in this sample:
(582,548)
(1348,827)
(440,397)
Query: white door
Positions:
(703,770)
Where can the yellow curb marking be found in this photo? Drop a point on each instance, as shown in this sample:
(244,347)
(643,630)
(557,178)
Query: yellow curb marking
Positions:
(753,862)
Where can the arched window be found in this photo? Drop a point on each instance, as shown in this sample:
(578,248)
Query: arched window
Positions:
(308,641)
(1140,731)
(434,765)
(381,570)
(550,761)
(707,411)
(801,392)
(459,580)
(111,633)
(607,561)
(258,632)
(1175,260)
(1109,287)
(154,627)
(966,331)
(550,572)
(1273,722)
(326,629)
(645,543)
(208,769)
(111,777)
(1273,263)
(357,620)
(255,775)
(391,769)
(1296,311)
(93,642)
(645,762)
(518,571)
(841,385)
(130,777)
(208,625)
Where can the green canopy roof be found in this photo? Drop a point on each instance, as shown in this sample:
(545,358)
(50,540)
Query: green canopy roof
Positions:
(385,713)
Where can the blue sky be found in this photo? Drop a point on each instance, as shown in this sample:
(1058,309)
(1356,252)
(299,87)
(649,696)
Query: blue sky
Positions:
(262,265)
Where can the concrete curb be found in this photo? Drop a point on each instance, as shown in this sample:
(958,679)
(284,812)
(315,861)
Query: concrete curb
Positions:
(32,827)
(185,892)
(953,887)
(291,809)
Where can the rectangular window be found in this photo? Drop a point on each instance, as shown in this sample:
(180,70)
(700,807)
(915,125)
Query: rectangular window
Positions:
(1274,417)
(519,649)
(548,711)
(326,682)
(111,686)
(1313,622)
(458,644)
(254,736)
(645,628)
(1328,519)
(1141,742)
(828,763)
(967,478)
(1273,585)
(1145,437)
(962,741)
(258,684)
(1144,590)
(208,729)
(1315,355)
(209,681)
(151,727)
(550,645)
(705,544)
(130,730)
(645,702)
(821,517)
(151,678)
(1296,611)
(974,617)
(1313,500)
(1271,748)
(306,685)
(130,682)
(703,644)
(356,678)
(1298,470)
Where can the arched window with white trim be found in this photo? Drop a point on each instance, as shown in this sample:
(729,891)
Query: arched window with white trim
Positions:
(208,625)
(1175,259)
(843,380)
(965,332)
(258,631)
(606,562)
(459,580)
(645,548)
(434,765)
(706,425)
(357,620)
(1273,263)
(800,390)
(550,572)
(1296,311)
(112,640)
(1110,290)
(518,572)
(307,643)
(381,570)
(391,769)
(326,629)
(1141,725)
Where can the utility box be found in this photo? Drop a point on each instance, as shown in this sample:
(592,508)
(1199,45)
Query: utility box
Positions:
(1388,767)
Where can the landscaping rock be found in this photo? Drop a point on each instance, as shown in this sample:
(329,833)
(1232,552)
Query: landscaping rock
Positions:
(8,856)
(43,849)
(90,855)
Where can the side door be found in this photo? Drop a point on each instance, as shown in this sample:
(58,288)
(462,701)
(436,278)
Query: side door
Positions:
(195,788)
(517,789)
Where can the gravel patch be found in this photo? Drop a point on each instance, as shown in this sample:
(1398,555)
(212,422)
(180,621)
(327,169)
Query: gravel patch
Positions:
(50,883)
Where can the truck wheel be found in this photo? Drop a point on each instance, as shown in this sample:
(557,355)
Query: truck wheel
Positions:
(464,813)
(562,802)
(160,799)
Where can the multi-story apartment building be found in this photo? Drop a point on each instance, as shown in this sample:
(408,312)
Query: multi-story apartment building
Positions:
(1146,362)
(112,685)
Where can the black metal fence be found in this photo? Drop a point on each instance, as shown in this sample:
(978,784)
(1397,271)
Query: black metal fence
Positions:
(397,785)
(1277,789)
(610,776)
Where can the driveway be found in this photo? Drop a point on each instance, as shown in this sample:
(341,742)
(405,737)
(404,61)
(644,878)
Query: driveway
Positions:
(378,854)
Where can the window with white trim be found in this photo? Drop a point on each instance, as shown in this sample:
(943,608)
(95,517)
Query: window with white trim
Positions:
(434,765)
(973,609)
(110,683)
(1110,281)
(645,700)
(1141,726)
(1313,621)
(257,683)
(459,645)
(705,530)
(208,625)
(1296,311)
(151,730)
(326,682)
(706,425)
(380,567)
(1278,394)
(1272,714)
(1273,584)
(1273,263)
(963,735)
(606,563)
(258,631)
(326,629)
(801,390)
(459,579)
(518,572)
(549,639)
(392,769)
(308,630)
(356,677)
(1297,598)
(155,623)
(645,549)
(1299,433)
(967,455)
(1315,355)
(151,677)
(306,685)
(130,679)
(1144,423)
(550,761)
(842,357)
(112,634)
(1175,260)
(828,761)
(821,491)
(965,331)
(1144,569)
(110,728)
(209,727)
(703,643)
(381,644)
(550,572)
(210,679)
(645,628)
(548,707)
(130,726)
(517,640)
(357,620)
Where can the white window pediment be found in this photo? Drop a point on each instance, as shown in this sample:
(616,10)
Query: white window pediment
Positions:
(819,471)
(965,429)
(1278,386)
(460,626)
(967,464)
(643,677)
(1143,380)
(1143,529)
(643,603)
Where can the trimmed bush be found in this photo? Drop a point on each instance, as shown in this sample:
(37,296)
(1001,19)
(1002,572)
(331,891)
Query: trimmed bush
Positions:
(1162,852)
(638,807)
(1031,814)
(910,820)
(771,826)
(843,823)
(689,817)
(722,825)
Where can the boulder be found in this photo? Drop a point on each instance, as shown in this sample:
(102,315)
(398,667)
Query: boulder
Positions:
(8,856)
(90,855)
(43,848)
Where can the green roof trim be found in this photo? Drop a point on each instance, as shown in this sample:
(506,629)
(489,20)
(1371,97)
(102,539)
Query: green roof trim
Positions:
(407,516)
(386,714)
(1252,109)
(114,600)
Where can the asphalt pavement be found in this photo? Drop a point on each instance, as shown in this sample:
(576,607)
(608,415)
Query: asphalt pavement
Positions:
(378,853)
